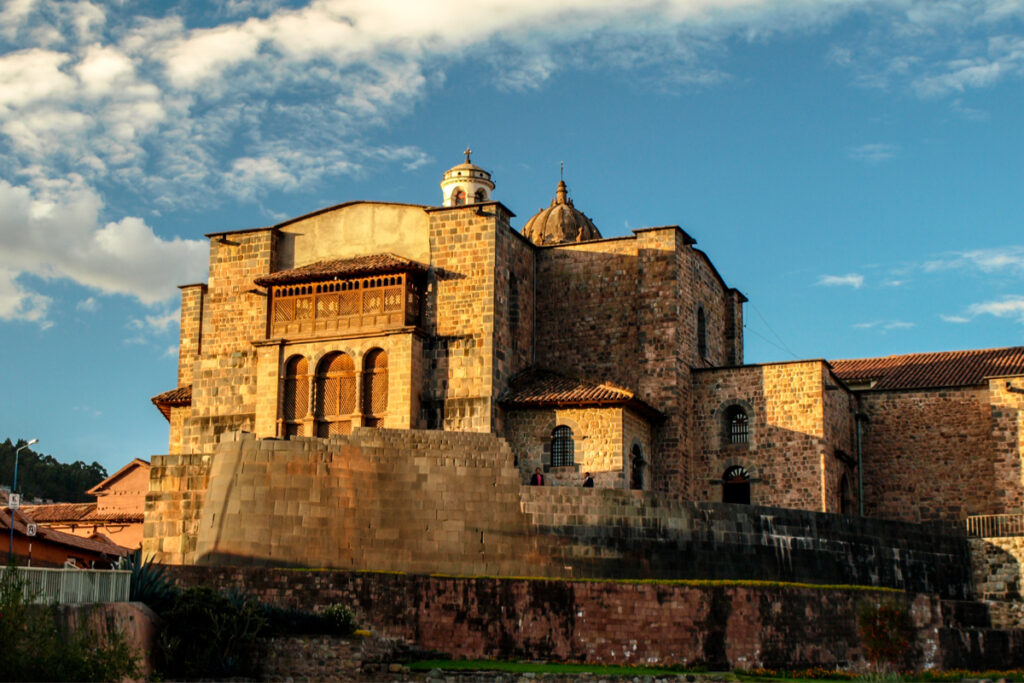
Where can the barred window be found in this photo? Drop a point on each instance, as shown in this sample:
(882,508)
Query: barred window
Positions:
(562,447)
(375,388)
(736,425)
(295,399)
(458,197)
(636,473)
(480,196)
(736,486)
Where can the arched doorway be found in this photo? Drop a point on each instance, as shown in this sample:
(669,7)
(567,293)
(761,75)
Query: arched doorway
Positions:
(375,388)
(295,399)
(736,486)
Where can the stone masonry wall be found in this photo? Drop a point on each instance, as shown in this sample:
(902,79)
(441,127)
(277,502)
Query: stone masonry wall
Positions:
(459,315)
(787,431)
(586,310)
(177,489)
(224,376)
(840,449)
(514,311)
(927,455)
(598,443)
(1006,398)
(432,501)
(721,627)
(190,342)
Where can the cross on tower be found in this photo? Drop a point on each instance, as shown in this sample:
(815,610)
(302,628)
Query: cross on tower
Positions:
(467,153)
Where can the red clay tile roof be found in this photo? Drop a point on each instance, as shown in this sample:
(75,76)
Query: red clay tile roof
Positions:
(330,270)
(59,537)
(932,370)
(538,388)
(58,512)
(77,513)
(182,396)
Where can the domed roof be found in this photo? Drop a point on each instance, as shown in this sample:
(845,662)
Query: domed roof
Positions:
(560,223)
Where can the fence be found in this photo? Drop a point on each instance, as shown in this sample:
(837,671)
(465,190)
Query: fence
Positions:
(989,526)
(74,586)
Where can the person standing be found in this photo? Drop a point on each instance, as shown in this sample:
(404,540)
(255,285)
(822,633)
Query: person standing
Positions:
(588,481)
(537,479)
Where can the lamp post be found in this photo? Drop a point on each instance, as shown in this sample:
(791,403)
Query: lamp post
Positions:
(14,488)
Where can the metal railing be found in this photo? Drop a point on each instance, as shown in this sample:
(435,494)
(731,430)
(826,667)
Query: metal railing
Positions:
(74,586)
(990,526)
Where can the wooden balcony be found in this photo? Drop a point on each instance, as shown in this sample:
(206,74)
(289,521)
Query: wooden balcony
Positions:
(353,305)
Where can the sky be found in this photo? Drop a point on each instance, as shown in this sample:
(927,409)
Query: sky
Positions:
(854,167)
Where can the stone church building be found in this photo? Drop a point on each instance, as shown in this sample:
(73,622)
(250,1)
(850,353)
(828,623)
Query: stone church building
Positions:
(621,357)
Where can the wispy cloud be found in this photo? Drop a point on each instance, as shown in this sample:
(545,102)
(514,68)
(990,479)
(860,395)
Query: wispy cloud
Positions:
(873,153)
(884,325)
(1007,307)
(988,260)
(854,280)
(957,319)
(88,304)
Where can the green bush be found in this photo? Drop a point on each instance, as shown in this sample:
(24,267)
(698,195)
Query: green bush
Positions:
(335,620)
(207,634)
(886,632)
(38,643)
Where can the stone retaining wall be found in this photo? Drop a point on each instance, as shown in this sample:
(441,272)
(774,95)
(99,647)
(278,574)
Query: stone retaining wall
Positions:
(430,501)
(632,623)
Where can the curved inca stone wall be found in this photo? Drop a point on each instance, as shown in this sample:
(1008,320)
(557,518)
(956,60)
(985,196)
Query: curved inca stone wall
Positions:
(453,503)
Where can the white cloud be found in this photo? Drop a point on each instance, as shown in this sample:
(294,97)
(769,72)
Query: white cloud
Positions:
(987,260)
(158,323)
(867,326)
(898,325)
(55,233)
(873,152)
(88,304)
(854,280)
(1007,307)
(957,319)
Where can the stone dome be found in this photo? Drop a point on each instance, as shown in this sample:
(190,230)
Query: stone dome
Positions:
(560,223)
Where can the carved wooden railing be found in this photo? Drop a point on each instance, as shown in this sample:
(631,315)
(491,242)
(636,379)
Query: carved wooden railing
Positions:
(990,526)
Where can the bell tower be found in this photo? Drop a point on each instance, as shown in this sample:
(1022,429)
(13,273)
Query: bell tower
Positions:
(466,183)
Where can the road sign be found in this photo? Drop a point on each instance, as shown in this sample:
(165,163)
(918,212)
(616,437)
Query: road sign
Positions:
(30,529)
(14,501)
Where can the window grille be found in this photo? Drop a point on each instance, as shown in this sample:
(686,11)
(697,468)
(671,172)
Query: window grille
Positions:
(295,403)
(375,387)
(562,447)
(335,394)
(736,486)
(736,425)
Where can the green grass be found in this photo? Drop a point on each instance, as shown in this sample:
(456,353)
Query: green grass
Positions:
(549,668)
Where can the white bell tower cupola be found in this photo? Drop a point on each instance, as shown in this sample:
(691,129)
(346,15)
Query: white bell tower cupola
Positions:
(466,184)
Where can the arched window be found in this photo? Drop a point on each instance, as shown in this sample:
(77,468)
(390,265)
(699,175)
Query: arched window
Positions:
(295,401)
(702,333)
(335,395)
(636,469)
(736,486)
(375,388)
(562,447)
(458,197)
(480,196)
(845,499)
(737,429)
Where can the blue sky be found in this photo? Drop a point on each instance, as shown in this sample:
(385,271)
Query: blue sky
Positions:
(854,167)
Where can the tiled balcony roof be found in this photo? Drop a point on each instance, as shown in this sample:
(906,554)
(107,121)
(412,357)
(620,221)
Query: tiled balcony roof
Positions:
(375,264)
(540,388)
(182,396)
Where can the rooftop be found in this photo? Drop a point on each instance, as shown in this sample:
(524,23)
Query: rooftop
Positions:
(932,370)
(540,388)
(329,270)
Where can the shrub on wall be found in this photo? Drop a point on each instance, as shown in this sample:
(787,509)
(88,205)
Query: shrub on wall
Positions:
(39,643)
(886,632)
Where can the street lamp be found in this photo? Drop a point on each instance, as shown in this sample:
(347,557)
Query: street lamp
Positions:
(14,488)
